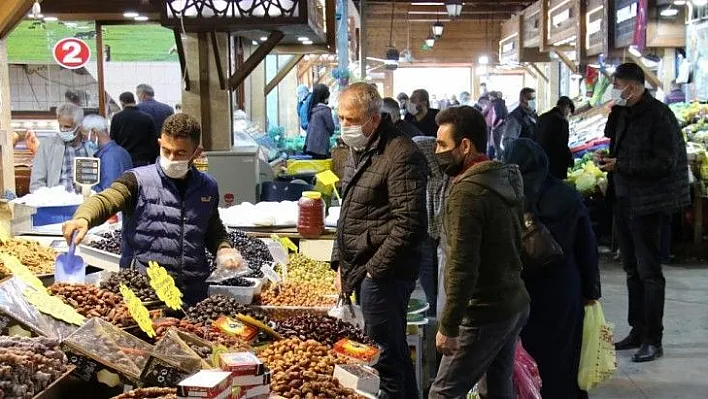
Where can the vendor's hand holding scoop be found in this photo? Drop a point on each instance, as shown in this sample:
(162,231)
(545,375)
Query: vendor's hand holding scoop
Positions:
(80,226)
(229,258)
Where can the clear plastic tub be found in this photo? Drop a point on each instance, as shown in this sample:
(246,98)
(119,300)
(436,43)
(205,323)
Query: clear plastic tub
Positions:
(242,295)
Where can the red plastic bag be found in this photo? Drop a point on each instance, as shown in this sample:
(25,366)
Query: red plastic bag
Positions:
(527,380)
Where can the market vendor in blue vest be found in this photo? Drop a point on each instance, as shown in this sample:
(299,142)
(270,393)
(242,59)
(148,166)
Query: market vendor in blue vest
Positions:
(170,212)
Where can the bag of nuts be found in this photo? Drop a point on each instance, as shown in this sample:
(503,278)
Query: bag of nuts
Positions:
(346,311)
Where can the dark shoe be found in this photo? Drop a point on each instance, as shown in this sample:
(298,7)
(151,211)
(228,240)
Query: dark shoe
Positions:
(631,342)
(648,353)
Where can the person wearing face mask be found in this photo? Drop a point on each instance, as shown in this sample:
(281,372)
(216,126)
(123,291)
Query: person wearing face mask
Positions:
(170,213)
(390,107)
(53,165)
(403,103)
(648,174)
(115,160)
(482,228)
(320,125)
(522,121)
(382,225)
(420,114)
(553,136)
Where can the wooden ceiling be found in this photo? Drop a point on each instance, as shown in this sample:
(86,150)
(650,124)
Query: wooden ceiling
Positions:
(477,31)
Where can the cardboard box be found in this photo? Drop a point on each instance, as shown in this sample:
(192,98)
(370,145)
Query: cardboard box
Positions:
(252,380)
(206,384)
(242,364)
(358,377)
(252,392)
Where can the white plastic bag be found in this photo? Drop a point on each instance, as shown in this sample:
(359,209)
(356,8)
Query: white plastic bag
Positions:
(347,312)
(223,273)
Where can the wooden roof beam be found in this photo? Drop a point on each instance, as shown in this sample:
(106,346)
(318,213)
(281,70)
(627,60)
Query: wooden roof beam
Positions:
(254,59)
(11,13)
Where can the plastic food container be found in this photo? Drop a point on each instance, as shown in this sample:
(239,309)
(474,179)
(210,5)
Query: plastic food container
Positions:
(53,214)
(243,295)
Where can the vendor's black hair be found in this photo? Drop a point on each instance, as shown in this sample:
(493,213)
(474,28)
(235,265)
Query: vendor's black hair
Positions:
(183,126)
(629,71)
(566,102)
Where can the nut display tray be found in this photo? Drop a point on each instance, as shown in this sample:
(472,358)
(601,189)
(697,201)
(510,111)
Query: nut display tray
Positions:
(97,257)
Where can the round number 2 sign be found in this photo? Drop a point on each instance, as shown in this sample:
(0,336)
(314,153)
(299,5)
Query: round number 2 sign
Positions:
(72,53)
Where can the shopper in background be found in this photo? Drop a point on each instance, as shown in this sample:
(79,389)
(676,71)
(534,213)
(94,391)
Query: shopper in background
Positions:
(553,334)
(420,114)
(521,123)
(152,107)
(381,227)
(486,303)
(676,95)
(304,98)
(649,178)
(115,160)
(170,213)
(465,98)
(495,115)
(403,101)
(390,107)
(453,101)
(320,126)
(135,131)
(53,165)
(554,134)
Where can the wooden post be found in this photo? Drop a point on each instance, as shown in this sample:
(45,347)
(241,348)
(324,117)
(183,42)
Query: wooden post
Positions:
(282,73)
(580,8)
(7,163)
(205,105)
(99,71)
(255,58)
(364,45)
(543,22)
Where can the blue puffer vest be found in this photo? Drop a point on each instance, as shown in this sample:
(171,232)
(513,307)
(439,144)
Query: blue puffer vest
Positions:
(170,230)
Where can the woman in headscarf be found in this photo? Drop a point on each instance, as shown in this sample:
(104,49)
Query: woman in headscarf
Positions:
(321,124)
(553,334)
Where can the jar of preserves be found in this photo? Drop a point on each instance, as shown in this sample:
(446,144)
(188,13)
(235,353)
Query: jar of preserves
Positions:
(311,214)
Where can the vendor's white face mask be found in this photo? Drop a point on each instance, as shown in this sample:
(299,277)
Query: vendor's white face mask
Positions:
(174,169)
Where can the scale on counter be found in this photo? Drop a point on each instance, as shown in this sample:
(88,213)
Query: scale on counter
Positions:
(87,173)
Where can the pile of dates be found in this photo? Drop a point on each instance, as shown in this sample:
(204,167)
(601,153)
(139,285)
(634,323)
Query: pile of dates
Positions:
(133,279)
(109,242)
(303,369)
(91,301)
(324,329)
(149,393)
(208,310)
(205,332)
(236,282)
(29,365)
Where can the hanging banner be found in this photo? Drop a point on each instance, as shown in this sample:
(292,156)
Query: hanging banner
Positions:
(640,26)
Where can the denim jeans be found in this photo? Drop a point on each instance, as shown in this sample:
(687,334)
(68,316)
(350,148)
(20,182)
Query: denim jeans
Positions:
(483,348)
(384,304)
(429,272)
(640,245)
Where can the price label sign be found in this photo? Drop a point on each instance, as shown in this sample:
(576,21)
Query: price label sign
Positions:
(164,286)
(139,312)
(87,171)
(53,306)
(287,243)
(21,271)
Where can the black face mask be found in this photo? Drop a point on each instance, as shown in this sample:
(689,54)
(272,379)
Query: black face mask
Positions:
(448,164)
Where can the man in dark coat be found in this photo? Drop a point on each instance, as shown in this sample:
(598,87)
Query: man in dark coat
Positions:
(390,107)
(135,131)
(649,175)
(553,136)
(522,121)
(152,107)
(381,227)
(420,114)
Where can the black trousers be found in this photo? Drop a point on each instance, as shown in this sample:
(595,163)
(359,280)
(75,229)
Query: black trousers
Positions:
(640,244)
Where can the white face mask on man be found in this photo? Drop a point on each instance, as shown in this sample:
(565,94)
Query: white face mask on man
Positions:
(354,136)
(175,169)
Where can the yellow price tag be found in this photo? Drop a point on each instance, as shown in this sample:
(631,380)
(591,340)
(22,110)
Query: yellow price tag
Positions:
(21,271)
(53,306)
(137,310)
(164,286)
(287,243)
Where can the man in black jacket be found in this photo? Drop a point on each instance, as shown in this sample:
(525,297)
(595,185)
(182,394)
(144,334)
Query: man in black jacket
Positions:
(135,131)
(390,107)
(553,136)
(521,123)
(649,175)
(381,227)
(420,114)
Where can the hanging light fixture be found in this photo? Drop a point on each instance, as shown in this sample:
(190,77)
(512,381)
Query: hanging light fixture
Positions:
(484,59)
(669,12)
(430,41)
(454,8)
(36,10)
(438,28)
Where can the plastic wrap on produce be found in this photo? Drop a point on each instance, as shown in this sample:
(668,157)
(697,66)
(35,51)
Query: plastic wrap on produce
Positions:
(264,213)
(54,196)
(14,305)
(110,346)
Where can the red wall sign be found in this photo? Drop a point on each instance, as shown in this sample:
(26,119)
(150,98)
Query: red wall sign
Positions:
(71,53)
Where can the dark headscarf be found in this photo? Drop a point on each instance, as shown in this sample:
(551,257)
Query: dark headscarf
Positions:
(533,165)
(320,94)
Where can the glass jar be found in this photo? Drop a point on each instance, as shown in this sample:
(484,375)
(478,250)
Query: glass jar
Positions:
(311,214)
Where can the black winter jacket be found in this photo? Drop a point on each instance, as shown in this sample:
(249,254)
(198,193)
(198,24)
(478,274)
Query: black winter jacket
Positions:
(383,217)
(652,166)
(553,136)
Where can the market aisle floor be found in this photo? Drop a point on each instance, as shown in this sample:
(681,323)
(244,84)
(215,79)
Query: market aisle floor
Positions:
(682,372)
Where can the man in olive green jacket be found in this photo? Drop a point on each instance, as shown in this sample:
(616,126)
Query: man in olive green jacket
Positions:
(486,303)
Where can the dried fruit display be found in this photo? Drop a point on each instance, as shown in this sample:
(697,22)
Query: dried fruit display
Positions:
(236,282)
(149,393)
(91,301)
(3,271)
(133,279)
(208,310)
(38,258)
(298,294)
(109,242)
(207,333)
(29,365)
(304,369)
(111,346)
(302,269)
(324,329)
(253,250)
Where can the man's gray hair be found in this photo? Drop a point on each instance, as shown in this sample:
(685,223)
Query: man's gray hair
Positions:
(145,89)
(72,111)
(365,96)
(391,107)
(95,122)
